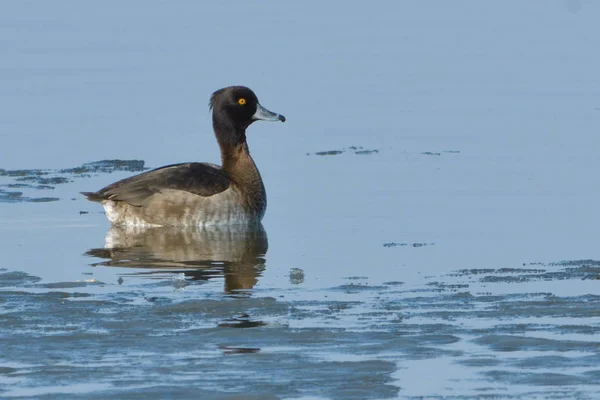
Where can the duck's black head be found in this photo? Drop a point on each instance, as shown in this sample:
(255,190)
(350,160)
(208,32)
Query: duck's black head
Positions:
(234,109)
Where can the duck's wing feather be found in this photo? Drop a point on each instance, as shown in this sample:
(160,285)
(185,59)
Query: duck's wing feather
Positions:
(196,178)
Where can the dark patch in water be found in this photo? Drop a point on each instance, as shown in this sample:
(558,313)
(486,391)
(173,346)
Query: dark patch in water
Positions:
(103,166)
(41,199)
(577,263)
(434,153)
(7,370)
(540,379)
(23,172)
(366,152)
(393,283)
(10,197)
(449,286)
(62,285)
(524,343)
(107,166)
(243,321)
(359,150)
(558,362)
(578,269)
(395,244)
(17,278)
(239,350)
(41,179)
(474,271)
(356,287)
(328,153)
(17,197)
(57,180)
(462,272)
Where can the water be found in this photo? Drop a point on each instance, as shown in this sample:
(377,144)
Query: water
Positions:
(431,228)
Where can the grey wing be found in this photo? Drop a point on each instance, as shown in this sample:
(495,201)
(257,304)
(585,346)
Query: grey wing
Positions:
(196,178)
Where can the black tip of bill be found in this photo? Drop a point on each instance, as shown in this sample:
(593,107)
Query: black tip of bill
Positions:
(265,115)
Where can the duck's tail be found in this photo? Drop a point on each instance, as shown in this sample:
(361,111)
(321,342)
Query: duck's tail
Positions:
(94,196)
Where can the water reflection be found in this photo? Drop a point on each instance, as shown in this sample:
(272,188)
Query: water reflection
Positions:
(235,252)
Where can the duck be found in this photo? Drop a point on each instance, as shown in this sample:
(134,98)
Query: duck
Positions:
(199,194)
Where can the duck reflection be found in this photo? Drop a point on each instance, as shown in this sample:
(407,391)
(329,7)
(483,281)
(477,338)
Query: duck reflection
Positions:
(235,252)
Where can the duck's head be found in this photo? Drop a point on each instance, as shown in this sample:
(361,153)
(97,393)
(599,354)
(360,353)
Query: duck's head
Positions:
(237,107)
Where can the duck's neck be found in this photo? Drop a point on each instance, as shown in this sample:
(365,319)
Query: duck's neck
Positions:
(235,156)
(238,163)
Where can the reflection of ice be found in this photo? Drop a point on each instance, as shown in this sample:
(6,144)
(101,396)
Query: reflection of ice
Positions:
(235,252)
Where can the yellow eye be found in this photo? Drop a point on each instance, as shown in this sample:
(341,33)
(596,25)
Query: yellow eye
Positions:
(242,101)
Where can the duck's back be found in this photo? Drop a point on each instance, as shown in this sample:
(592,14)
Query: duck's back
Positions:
(180,194)
(202,179)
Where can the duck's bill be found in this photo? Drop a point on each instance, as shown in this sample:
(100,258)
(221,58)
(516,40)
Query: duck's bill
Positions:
(266,115)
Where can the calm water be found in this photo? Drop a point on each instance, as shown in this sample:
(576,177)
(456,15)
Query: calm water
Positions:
(433,197)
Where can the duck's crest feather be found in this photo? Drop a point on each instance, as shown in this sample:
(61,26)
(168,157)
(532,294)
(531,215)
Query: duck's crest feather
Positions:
(213,98)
